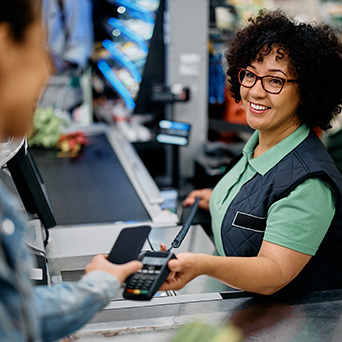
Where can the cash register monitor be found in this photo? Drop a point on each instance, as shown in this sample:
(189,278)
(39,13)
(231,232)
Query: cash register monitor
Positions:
(30,186)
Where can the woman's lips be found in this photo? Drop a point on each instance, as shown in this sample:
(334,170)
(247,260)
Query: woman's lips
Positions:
(257,108)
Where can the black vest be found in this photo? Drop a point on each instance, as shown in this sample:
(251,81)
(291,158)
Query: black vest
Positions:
(244,223)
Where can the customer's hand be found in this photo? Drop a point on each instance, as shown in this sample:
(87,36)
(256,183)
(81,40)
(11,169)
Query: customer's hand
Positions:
(121,272)
(186,267)
(204,196)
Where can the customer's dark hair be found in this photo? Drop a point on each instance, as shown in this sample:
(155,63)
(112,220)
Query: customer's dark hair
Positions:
(19,14)
(315,55)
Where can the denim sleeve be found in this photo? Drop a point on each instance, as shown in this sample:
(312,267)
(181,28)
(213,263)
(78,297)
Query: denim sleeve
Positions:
(64,308)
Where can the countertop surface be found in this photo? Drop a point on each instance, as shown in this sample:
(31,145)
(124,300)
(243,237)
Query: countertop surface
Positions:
(307,318)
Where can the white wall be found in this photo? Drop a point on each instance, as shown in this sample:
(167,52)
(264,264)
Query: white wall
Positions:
(187,64)
(305,9)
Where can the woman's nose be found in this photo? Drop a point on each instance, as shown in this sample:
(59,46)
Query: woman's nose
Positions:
(258,90)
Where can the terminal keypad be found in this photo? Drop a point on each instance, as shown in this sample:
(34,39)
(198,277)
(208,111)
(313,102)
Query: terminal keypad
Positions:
(142,281)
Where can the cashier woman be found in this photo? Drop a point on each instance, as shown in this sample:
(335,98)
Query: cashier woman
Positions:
(276,215)
(42,313)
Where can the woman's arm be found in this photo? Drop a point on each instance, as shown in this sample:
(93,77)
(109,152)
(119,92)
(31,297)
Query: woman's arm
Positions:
(292,221)
(271,270)
(204,196)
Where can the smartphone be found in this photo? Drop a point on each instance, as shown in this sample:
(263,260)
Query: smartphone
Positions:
(128,244)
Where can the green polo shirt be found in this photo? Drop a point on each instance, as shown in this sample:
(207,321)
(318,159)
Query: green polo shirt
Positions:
(298,221)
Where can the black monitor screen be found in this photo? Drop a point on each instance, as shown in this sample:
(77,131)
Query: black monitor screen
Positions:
(30,186)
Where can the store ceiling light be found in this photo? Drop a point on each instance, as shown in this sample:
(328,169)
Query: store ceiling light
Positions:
(121,9)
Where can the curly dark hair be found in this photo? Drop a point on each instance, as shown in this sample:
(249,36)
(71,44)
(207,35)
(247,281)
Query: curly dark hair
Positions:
(314,53)
(19,14)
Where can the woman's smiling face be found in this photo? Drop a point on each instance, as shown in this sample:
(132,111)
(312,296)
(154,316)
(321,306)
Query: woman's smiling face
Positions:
(271,113)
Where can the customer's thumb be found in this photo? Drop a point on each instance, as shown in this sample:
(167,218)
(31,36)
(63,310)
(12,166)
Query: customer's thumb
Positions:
(132,267)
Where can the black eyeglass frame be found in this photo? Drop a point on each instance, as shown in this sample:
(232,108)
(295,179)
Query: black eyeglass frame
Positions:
(261,78)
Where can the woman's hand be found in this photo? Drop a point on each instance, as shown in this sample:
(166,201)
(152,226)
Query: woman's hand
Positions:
(204,196)
(183,269)
(121,272)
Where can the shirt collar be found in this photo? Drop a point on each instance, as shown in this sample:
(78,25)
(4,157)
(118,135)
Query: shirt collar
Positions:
(270,158)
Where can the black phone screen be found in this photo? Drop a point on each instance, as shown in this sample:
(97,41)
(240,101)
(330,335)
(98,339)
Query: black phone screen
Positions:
(128,244)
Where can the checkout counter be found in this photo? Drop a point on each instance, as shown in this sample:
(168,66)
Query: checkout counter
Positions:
(95,195)
(108,188)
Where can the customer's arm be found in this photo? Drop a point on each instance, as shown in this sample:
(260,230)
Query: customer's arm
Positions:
(65,307)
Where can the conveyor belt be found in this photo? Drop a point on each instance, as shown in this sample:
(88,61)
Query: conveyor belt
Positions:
(92,188)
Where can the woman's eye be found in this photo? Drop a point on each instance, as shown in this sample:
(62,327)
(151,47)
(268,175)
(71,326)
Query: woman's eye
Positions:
(276,81)
(250,74)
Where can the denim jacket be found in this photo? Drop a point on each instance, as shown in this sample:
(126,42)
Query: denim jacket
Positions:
(41,313)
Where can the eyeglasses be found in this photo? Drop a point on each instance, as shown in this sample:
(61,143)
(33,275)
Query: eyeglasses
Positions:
(271,84)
